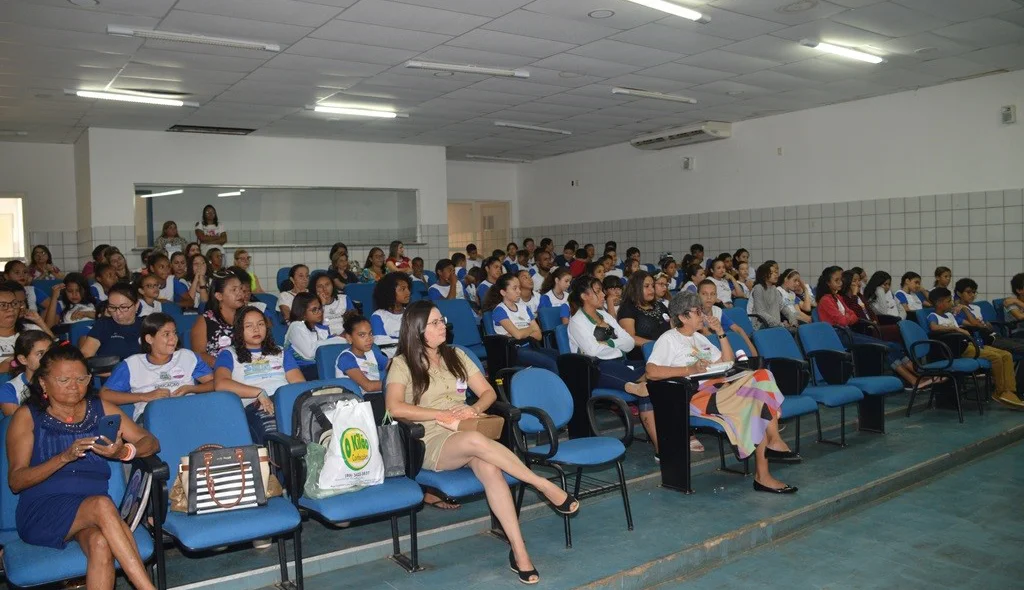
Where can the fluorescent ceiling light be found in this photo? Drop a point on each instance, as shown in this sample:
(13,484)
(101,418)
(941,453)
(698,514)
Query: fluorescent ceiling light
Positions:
(232,193)
(6,133)
(137,98)
(191,38)
(512,125)
(498,159)
(655,95)
(673,8)
(467,69)
(356,112)
(843,51)
(163,194)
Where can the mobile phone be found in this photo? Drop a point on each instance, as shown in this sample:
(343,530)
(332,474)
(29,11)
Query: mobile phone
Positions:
(109,427)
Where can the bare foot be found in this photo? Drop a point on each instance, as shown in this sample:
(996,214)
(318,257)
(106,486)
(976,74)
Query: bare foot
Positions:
(637,389)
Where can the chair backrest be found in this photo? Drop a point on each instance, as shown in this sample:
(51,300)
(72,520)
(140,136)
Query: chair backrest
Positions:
(814,315)
(999,309)
(279,331)
(267,298)
(988,311)
(79,329)
(431,277)
(184,329)
(922,319)
(171,309)
(738,315)
(736,341)
(549,318)
(648,348)
(740,303)
(562,339)
(363,294)
(460,316)
(713,339)
(540,388)
(487,322)
(819,336)
(912,333)
(285,396)
(651,268)
(282,276)
(327,359)
(776,343)
(472,356)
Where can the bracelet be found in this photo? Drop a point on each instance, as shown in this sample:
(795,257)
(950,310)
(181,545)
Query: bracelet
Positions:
(129,454)
(720,336)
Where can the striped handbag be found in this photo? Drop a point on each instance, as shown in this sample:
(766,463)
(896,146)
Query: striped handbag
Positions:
(222,479)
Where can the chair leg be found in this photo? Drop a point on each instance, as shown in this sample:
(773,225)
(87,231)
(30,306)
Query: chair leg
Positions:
(842,426)
(297,540)
(414,544)
(282,559)
(625,495)
(519,498)
(721,453)
(396,546)
(576,486)
(959,405)
(913,393)
(565,519)
(817,418)
(796,432)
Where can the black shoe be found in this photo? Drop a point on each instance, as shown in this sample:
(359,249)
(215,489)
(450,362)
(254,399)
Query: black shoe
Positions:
(524,576)
(774,456)
(565,508)
(763,488)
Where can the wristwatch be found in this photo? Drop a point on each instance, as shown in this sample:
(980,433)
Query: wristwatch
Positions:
(720,336)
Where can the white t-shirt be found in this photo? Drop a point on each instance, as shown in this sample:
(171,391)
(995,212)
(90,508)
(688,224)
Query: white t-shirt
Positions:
(304,341)
(65,314)
(136,374)
(538,282)
(520,317)
(723,290)
(145,309)
(533,303)
(581,338)
(209,231)
(911,300)
(334,314)
(173,289)
(386,326)
(947,320)
(673,349)
(285,299)
(473,263)
(885,303)
(371,365)
(14,391)
(691,287)
(265,372)
(437,291)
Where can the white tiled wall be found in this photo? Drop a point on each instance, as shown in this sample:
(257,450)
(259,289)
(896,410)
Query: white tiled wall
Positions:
(975,234)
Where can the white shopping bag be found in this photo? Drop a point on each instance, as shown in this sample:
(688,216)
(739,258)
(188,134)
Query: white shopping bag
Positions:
(353,454)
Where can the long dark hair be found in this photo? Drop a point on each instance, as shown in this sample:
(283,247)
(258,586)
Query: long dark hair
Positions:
(633,292)
(369,258)
(202,218)
(554,275)
(823,289)
(23,346)
(152,324)
(384,292)
(267,347)
(763,272)
(300,305)
(877,280)
(49,256)
(494,296)
(83,286)
(190,273)
(578,287)
(217,285)
(56,354)
(413,347)
(848,278)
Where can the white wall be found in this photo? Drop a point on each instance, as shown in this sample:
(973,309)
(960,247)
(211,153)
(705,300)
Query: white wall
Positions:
(940,140)
(484,181)
(45,173)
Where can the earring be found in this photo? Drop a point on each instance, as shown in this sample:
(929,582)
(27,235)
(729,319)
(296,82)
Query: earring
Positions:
(46,396)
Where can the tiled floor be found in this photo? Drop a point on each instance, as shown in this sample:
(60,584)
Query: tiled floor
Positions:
(962,530)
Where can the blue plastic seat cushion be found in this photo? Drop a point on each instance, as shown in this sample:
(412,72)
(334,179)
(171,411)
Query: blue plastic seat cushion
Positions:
(395,494)
(880,385)
(202,531)
(959,365)
(456,483)
(797,405)
(698,422)
(32,565)
(592,450)
(833,396)
(626,397)
(479,351)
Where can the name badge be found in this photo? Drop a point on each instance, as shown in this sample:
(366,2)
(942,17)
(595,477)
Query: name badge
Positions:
(461,387)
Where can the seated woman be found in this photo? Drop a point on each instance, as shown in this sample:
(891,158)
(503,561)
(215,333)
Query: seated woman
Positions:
(747,410)
(492,269)
(612,295)
(641,315)
(512,318)
(362,363)
(160,370)
(725,287)
(307,332)
(215,259)
(198,281)
(853,299)
(214,329)
(60,467)
(253,367)
(880,297)
(796,308)
(554,292)
(708,293)
(70,302)
(743,280)
(832,310)
(192,249)
(169,240)
(630,266)
(340,270)
(670,268)
(148,287)
(374,269)
(427,383)
(117,260)
(595,333)
(693,274)
(595,269)
(335,304)
(661,288)
(243,260)
(390,296)
(397,261)
(41,265)
(766,302)
(117,334)
(298,282)
(29,348)
(89,270)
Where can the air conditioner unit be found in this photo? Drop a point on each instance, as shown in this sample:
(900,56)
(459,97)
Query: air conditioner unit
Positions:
(701,132)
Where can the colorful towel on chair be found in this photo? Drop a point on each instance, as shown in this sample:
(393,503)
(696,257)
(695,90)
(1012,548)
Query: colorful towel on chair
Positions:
(743,408)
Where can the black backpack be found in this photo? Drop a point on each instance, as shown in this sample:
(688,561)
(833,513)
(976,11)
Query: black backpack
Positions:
(309,414)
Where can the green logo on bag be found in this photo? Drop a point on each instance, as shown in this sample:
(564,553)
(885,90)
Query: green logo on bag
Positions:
(355,449)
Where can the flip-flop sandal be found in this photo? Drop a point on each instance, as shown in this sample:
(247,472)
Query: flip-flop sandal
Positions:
(442,505)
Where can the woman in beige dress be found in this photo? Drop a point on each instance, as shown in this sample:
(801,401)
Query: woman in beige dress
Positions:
(427,383)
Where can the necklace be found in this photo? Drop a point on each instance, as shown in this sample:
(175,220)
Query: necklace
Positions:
(68,420)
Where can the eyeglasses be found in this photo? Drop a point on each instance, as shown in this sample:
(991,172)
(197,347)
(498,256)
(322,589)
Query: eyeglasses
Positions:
(5,305)
(120,308)
(695,311)
(439,322)
(83,380)
(317,309)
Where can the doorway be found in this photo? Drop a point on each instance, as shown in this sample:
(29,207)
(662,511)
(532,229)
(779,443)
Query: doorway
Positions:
(12,227)
(488,224)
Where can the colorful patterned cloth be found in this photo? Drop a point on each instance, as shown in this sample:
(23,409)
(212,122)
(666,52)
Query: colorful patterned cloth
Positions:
(743,408)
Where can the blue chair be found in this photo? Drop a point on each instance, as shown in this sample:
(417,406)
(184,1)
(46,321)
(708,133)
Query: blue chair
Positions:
(44,289)
(183,424)
(460,316)
(172,309)
(31,565)
(562,339)
(282,276)
(791,371)
(547,407)
(741,304)
(549,318)
(362,293)
(78,330)
(395,497)
(431,277)
(934,358)
(834,365)
(184,330)
(738,315)
(487,322)
(269,299)
(327,360)
(814,315)
(279,331)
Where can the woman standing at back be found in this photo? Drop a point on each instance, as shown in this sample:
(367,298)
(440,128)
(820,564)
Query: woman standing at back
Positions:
(208,230)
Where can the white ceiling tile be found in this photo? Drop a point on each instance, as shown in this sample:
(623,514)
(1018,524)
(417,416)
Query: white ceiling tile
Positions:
(941,46)
(780,103)
(232,27)
(627,15)
(405,96)
(773,80)
(684,73)
(72,19)
(25,34)
(498,99)
(500,42)
(576,100)
(559,111)
(180,59)
(491,8)
(897,78)
(730,87)
(533,118)
(565,79)
(331,67)
(820,69)
(461,55)
(983,32)
(891,20)
(856,3)
(1013,16)
(302,77)
(352,32)
(957,10)
(517,86)
(180,74)
(725,61)
(337,3)
(670,39)
(154,8)
(272,11)
(773,48)
(545,26)
(625,53)
(830,32)
(646,83)
(813,95)
(351,51)
(725,24)
(568,62)
(953,67)
(1009,56)
(771,10)
(414,18)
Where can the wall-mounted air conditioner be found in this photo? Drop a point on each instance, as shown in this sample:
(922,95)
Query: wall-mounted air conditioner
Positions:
(698,133)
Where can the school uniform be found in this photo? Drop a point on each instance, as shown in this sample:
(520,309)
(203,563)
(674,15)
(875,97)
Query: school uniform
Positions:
(481,290)
(533,303)
(723,288)
(911,300)
(386,326)
(14,391)
(136,374)
(334,314)
(437,292)
(550,300)
(173,289)
(267,372)
(64,315)
(372,365)
(528,353)
(146,309)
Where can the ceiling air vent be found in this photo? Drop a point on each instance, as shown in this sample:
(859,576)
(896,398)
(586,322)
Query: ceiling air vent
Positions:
(210,130)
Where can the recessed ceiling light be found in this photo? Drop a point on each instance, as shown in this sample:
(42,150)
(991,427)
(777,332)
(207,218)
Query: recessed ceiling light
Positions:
(568,75)
(601,13)
(798,6)
(924,50)
(444,74)
(85,3)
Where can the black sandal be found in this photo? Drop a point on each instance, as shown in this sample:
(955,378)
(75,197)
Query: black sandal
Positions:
(524,576)
(565,508)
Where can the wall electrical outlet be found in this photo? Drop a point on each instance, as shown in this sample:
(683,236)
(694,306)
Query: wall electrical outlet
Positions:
(688,163)
(1008,114)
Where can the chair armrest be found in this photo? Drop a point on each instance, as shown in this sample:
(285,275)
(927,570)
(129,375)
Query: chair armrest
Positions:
(835,366)
(888,320)
(502,379)
(624,412)
(792,375)
(158,490)
(549,426)
(951,339)
(294,447)
(154,466)
(869,359)
(946,352)
(413,430)
(506,410)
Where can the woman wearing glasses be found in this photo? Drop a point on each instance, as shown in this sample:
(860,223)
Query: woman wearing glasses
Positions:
(747,408)
(15,318)
(118,334)
(59,467)
(242,260)
(427,383)
(307,332)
